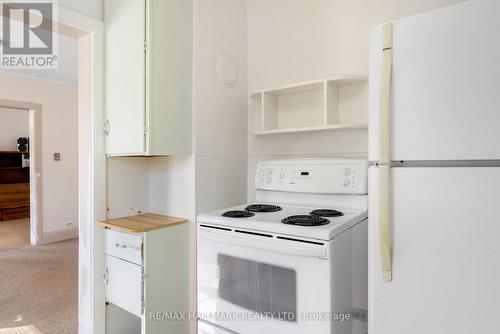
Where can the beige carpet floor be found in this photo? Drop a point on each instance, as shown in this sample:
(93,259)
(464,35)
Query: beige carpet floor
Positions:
(14,233)
(20,330)
(38,287)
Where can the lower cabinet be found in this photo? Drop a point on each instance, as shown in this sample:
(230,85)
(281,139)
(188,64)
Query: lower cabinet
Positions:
(146,278)
(124,285)
(119,321)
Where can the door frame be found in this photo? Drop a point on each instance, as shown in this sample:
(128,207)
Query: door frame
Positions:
(34,110)
(92,165)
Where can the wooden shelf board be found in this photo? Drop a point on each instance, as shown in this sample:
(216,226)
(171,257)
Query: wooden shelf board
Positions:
(141,223)
(346,126)
(13,152)
(27,168)
(310,85)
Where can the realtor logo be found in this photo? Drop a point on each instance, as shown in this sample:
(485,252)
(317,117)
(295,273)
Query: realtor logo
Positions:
(28,38)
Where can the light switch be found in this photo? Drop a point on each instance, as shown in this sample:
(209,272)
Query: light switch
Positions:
(57,156)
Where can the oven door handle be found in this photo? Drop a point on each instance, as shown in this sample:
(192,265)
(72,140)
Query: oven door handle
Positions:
(267,244)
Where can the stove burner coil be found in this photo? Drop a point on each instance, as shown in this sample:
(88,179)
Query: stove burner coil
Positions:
(305,220)
(263,208)
(238,214)
(326,213)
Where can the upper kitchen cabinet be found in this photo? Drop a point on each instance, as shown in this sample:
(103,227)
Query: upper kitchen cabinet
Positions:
(149,61)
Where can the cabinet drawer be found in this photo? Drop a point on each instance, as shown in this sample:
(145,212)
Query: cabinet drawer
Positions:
(123,245)
(124,285)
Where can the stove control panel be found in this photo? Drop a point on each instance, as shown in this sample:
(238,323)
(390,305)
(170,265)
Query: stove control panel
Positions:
(327,176)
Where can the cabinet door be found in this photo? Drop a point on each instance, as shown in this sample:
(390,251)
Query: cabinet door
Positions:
(169,65)
(124,285)
(125,76)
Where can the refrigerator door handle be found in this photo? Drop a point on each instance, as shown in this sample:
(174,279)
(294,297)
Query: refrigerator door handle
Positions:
(384,221)
(385,160)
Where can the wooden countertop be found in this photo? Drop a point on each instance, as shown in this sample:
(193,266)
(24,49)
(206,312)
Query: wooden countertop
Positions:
(141,223)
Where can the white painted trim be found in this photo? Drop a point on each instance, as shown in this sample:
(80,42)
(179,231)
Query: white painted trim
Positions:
(36,183)
(35,117)
(91,178)
(59,235)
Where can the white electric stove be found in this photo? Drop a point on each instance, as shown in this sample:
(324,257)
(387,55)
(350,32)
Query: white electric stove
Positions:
(294,261)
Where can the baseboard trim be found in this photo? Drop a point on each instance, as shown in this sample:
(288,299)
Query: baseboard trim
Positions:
(59,235)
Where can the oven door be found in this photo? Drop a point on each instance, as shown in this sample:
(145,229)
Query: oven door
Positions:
(258,283)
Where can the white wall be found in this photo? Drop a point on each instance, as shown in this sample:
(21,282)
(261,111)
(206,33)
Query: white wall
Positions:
(92,8)
(59,134)
(172,186)
(215,175)
(13,124)
(162,185)
(296,40)
(220,111)
(127,186)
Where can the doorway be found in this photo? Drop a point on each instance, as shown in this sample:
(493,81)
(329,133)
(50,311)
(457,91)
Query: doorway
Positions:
(35,194)
(91,171)
(14,179)
(38,285)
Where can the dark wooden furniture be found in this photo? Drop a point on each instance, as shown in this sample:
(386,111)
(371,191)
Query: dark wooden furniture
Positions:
(14,186)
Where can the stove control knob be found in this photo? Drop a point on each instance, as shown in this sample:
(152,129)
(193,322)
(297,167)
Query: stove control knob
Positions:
(282,175)
(269,171)
(346,181)
(347,171)
(268,179)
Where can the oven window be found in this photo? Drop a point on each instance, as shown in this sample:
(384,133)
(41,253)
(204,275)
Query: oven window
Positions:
(258,287)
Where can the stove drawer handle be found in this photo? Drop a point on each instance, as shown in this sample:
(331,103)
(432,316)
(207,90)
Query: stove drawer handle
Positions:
(269,244)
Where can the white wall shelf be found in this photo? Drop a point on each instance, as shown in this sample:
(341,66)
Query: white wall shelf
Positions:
(316,105)
(345,126)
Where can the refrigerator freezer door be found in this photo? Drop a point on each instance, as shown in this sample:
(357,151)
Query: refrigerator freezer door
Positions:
(446,252)
(445,101)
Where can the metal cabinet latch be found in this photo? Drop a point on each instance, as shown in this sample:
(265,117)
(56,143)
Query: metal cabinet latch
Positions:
(106,276)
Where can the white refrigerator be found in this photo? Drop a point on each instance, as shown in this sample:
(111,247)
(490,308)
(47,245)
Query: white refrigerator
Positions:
(434,195)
